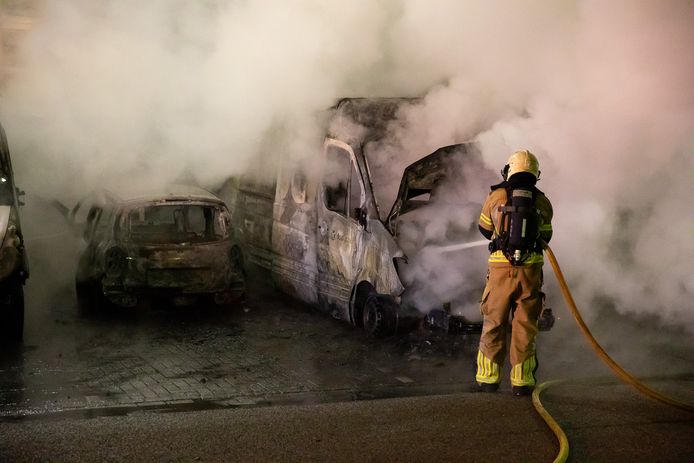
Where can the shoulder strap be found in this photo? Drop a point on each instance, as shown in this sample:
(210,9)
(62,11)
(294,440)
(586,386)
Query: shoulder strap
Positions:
(503,184)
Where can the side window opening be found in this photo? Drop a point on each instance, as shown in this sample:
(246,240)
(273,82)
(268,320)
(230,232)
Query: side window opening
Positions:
(298,187)
(336,180)
(355,193)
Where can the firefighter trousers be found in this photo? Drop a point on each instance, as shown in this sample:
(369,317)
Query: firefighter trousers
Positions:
(512,291)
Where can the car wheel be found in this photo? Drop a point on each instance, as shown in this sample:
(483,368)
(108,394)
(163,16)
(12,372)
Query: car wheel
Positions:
(380,315)
(12,310)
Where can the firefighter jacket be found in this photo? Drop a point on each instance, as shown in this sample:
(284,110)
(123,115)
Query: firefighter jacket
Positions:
(490,220)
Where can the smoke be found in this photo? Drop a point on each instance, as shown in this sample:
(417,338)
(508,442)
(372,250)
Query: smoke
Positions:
(123,92)
(120,91)
(434,275)
(615,141)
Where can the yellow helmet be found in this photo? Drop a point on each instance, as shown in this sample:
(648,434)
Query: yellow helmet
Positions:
(521,161)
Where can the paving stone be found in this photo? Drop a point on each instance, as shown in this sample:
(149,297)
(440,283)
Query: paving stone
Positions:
(152,360)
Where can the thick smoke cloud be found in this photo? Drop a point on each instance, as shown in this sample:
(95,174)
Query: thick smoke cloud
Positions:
(122,91)
(111,90)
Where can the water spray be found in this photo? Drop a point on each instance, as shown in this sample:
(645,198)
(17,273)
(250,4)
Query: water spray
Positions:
(459,247)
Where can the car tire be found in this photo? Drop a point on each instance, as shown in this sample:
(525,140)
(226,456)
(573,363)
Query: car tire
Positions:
(12,311)
(380,315)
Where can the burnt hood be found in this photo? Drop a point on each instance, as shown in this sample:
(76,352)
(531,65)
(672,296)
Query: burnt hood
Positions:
(420,179)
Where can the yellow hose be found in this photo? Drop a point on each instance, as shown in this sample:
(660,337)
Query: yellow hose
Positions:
(621,373)
(553,425)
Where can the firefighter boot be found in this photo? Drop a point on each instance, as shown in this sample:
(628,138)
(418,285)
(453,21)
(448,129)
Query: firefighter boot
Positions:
(487,374)
(521,391)
(523,377)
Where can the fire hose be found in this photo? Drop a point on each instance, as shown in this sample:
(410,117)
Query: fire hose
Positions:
(619,371)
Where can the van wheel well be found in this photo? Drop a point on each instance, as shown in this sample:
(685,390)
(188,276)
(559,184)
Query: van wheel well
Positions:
(377,313)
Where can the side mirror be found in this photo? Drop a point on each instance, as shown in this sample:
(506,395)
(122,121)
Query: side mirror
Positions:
(20,193)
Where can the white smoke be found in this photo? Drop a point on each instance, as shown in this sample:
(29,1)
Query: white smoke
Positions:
(615,138)
(123,91)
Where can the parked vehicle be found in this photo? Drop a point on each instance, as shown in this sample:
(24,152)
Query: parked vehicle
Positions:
(172,244)
(14,267)
(321,234)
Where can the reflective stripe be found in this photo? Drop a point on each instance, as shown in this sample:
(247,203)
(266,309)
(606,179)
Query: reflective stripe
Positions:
(498,257)
(487,371)
(485,219)
(523,374)
(546,227)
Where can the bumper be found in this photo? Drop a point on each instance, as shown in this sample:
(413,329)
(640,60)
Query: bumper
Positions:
(442,320)
(129,295)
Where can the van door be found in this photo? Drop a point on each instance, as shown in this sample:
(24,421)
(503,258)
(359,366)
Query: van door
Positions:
(339,231)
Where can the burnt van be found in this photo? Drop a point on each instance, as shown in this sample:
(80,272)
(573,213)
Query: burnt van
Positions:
(14,267)
(172,244)
(316,224)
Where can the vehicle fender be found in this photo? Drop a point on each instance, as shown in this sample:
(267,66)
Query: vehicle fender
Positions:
(377,265)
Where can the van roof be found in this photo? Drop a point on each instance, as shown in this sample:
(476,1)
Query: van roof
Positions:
(373,114)
(171,192)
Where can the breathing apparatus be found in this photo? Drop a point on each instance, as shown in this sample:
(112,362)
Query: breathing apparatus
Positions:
(518,228)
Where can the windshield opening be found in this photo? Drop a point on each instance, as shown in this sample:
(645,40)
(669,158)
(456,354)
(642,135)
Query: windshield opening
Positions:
(177,223)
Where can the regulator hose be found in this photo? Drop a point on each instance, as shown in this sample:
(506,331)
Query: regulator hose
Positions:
(621,373)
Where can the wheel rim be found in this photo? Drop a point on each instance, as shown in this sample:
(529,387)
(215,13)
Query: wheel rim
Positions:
(374,320)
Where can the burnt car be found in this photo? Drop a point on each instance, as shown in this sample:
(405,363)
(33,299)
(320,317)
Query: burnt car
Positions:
(14,268)
(172,244)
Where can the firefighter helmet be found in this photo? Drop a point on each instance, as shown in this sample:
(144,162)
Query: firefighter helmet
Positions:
(521,161)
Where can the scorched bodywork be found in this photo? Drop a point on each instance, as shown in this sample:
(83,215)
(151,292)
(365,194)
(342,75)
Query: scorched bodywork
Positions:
(316,224)
(172,244)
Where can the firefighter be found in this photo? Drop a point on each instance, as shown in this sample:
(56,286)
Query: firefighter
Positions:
(515,217)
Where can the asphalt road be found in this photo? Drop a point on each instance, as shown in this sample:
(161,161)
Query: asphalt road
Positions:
(618,426)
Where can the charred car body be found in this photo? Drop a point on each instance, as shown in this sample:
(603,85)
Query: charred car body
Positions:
(324,239)
(172,244)
(14,268)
